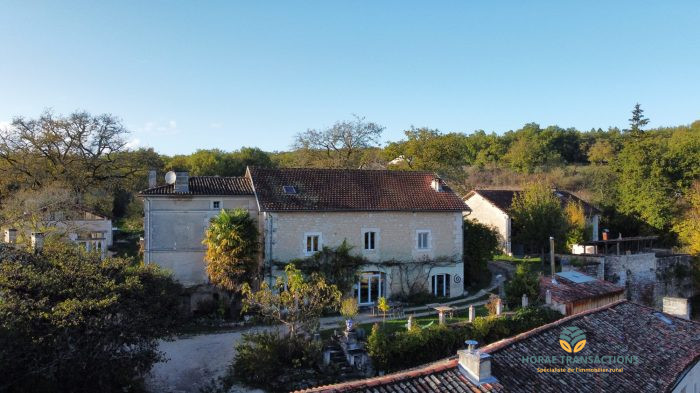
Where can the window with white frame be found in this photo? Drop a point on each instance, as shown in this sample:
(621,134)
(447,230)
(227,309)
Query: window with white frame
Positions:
(370,238)
(423,240)
(216,205)
(440,284)
(312,243)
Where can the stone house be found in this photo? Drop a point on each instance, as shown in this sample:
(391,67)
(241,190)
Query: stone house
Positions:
(81,226)
(492,207)
(176,216)
(408,225)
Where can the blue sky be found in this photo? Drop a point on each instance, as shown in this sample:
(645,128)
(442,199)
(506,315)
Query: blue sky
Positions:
(185,75)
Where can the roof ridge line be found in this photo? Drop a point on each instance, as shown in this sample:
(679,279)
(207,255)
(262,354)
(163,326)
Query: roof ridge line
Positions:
(501,344)
(425,369)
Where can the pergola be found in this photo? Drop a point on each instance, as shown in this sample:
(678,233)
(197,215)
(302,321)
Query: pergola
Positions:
(635,244)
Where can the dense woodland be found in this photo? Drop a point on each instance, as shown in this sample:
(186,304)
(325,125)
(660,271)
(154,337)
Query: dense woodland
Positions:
(645,180)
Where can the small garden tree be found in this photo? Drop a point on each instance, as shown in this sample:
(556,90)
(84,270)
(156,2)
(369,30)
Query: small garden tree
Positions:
(576,223)
(349,309)
(278,361)
(481,243)
(298,306)
(383,306)
(232,248)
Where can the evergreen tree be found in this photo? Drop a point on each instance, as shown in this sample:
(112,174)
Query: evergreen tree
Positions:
(638,120)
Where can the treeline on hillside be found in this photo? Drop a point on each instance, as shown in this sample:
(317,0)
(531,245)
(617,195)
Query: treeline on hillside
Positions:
(642,179)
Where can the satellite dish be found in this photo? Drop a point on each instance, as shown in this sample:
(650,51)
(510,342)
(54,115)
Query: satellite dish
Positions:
(170,177)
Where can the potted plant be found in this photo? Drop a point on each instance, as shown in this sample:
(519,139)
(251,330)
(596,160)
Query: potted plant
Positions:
(348,309)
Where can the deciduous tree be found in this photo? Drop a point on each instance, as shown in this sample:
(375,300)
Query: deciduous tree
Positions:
(296,302)
(537,214)
(341,145)
(70,322)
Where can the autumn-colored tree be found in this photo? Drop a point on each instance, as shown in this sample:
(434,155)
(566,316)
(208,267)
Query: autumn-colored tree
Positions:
(688,227)
(297,305)
(232,249)
(601,152)
(576,222)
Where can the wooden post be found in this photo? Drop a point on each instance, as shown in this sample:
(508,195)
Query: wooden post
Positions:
(471,313)
(551,254)
(499,306)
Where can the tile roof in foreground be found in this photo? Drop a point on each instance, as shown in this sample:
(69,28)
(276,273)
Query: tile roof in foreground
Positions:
(503,199)
(565,291)
(666,346)
(350,190)
(207,185)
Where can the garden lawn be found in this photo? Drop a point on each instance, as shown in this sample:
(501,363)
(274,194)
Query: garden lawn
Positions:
(395,325)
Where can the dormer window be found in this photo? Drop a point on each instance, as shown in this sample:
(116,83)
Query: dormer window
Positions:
(436,184)
(289,190)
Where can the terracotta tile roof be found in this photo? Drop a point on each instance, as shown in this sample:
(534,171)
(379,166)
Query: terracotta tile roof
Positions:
(351,190)
(441,376)
(207,185)
(503,199)
(566,291)
(666,346)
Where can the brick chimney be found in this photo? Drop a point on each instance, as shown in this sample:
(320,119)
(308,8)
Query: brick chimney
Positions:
(10,235)
(152,181)
(475,364)
(37,241)
(182,182)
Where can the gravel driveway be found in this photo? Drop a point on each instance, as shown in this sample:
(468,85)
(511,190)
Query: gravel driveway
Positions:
(193,361)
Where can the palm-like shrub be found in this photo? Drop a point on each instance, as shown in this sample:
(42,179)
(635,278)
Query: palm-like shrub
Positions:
(232,248)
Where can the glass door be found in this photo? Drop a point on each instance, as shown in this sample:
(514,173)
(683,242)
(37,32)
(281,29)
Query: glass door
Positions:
(370,288)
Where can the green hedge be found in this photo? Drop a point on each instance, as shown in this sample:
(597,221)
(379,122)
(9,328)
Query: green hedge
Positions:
(405,349)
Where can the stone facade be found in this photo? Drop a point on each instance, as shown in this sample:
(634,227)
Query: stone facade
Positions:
(396,240)
(174,230)
(647,277)
(485,212)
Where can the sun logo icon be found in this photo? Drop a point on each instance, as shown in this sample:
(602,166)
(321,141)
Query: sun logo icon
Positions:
(572,339)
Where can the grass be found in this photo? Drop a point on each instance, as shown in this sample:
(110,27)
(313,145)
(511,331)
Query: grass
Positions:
(395,325)
(509,258)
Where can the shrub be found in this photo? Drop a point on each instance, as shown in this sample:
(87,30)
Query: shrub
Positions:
(482,242)
(406,349)
(348,308)
(275,362)
(378,348)
(524,282)
(73,322)
(492,303)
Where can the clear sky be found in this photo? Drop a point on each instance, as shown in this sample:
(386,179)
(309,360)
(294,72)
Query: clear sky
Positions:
(197,74)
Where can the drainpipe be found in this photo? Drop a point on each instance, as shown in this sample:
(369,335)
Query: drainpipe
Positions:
(269,242)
